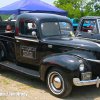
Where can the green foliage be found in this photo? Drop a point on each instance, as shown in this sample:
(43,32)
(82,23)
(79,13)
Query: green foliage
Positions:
(77,14)
(68,7)
(72,6)
(97,7)
(89,8)
(76,3)
(79,8)
(91,13)
(4,17)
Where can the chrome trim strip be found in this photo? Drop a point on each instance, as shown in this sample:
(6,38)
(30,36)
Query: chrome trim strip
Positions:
(98,61)
(77,82)
(26,39)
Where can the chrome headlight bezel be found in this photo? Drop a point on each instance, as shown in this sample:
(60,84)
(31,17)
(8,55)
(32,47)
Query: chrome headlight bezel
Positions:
(82,66)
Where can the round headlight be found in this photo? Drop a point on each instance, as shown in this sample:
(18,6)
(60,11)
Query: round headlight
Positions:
(81,68)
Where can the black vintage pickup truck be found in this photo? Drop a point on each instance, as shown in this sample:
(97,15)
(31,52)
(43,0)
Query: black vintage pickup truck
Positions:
(45,43)
(89,28)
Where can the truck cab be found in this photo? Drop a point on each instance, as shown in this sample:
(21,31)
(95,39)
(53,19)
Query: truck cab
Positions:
(43,46)
(89,28)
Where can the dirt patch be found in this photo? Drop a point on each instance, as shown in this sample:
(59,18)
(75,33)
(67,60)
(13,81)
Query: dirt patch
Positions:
(16,86)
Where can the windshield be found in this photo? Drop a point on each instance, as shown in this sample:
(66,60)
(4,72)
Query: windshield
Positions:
(56,28)
(13,17)
(99,25)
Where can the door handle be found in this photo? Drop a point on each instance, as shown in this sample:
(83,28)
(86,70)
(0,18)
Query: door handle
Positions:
(92,33)
(79,34)
(17,40)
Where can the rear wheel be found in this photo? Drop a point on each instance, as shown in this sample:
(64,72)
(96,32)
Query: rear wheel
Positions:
(1,58)
(58,83)
(2,54)
(2,51)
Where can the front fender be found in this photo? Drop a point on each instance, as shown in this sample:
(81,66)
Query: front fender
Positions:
(91,57)
(67,63)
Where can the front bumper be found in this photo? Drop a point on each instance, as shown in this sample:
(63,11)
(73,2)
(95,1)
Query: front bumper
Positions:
(77,82)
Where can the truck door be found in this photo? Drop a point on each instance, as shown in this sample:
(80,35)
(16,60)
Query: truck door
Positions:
(88,30)
(27,44)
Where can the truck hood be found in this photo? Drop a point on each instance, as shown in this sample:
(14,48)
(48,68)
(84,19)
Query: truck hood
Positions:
(72,42)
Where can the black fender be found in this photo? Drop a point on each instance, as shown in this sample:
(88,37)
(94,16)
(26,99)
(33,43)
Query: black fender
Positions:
(67,63)
(91,57)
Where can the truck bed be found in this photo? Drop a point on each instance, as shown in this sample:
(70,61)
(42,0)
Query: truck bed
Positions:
(6,34)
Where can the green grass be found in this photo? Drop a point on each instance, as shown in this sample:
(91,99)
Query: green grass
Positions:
(5,83)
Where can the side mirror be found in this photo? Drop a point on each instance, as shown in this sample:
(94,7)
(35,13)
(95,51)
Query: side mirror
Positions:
(33,33)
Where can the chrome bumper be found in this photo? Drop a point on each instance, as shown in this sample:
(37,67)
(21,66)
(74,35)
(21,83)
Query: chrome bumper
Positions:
(77,82)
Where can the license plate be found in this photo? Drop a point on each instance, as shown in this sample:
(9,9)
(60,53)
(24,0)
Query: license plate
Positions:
(86,76)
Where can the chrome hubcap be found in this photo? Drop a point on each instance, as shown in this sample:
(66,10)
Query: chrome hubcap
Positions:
(56,82)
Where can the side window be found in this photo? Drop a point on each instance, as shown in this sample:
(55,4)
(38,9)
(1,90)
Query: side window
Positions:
(89,26)
(27,27)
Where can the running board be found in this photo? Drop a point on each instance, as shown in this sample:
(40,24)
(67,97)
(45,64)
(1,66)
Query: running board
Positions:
(15,67)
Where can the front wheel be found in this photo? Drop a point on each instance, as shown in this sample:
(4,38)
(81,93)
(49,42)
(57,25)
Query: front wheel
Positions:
(58,83)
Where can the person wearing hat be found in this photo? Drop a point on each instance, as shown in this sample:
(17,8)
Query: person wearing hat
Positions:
(8,29)
(9,45)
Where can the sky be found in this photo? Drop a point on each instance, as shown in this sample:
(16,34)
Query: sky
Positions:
(7,2)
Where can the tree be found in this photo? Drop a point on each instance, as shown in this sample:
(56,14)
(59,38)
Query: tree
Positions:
(92,8)
(97,7)
(89,7)
(76,3)
(79,8)
(73,7)
(68,7)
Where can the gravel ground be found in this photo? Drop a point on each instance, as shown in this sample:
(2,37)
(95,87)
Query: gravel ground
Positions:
(16,86)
